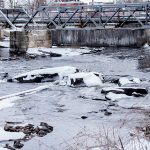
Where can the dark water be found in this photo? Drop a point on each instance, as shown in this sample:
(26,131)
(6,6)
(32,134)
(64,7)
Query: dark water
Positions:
(46,105)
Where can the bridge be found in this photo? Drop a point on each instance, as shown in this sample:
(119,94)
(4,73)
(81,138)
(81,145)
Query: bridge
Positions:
(93,16)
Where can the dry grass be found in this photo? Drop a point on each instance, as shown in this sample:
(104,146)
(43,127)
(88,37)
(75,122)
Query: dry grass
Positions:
(106,140)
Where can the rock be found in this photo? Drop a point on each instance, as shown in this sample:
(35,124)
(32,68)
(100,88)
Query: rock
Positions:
(11,128)
(111,104)
(17,144)
(29,131)
(42,75)
(43,129)
(55,55)
(46,127)
(85,79)
(9,147)
(51,54)
(4,75)
(147,131)
(129,91)
(99,99)
(107,113)
(137,94)
(84,117)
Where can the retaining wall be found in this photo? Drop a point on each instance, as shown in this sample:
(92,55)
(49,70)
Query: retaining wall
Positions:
(99,37)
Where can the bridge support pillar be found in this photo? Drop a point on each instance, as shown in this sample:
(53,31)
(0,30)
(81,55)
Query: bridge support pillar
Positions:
(20,41)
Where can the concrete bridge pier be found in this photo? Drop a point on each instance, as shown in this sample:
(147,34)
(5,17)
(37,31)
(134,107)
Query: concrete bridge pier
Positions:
(20,41)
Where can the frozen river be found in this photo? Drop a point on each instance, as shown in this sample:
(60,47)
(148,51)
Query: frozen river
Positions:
(63,106)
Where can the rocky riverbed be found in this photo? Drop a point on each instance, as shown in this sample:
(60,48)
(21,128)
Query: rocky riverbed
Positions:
(83,94)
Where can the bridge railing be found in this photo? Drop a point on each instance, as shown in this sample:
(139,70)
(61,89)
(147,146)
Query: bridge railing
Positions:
(99,16)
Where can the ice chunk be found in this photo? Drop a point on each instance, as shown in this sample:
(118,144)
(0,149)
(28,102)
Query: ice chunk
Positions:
(124,80)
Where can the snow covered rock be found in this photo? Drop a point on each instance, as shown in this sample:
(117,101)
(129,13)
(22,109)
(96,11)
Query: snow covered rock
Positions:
(85,79)
(132,90)
(47,74)
(115,90)
(124,81)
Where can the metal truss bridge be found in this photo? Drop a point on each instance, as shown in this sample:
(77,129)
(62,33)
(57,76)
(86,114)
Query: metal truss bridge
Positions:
(84,16)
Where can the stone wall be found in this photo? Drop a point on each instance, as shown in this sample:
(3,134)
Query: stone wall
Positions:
(99,37)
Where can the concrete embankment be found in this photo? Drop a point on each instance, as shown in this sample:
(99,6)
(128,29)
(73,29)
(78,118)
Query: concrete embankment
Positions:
(99,37)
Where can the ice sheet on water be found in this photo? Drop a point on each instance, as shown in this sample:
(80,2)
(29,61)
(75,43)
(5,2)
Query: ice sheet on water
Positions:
(8,102)
(26,92)
(134,103)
